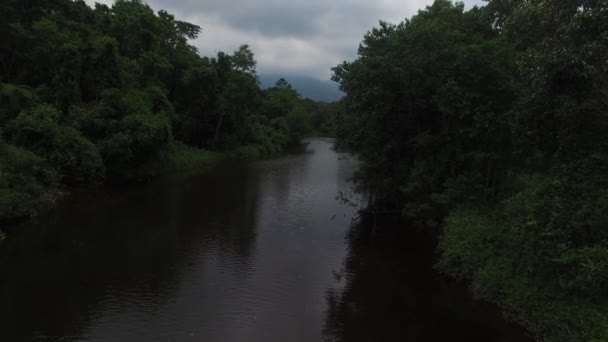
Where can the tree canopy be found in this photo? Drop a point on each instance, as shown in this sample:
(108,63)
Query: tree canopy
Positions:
(489,125)
(108,94)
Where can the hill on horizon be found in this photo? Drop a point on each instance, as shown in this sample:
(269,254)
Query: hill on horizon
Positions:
(308,87)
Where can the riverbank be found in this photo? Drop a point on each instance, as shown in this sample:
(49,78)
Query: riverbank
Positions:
(23,195)
(395,260)
(260,249)
(509,254)
(18,205)
(492,131)
(186,158)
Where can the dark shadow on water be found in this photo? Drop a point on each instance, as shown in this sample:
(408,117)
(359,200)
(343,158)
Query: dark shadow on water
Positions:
(240,252)
(121,248)
(392,293)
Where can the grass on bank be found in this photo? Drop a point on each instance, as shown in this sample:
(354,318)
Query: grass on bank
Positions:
(187,158)
(28,184)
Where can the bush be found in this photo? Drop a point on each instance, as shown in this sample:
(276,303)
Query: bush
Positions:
(134,139)
(246,152)
(141,148)
(532,255)
(299,122)
(13,99)
(189,158)
(27,183)
(66,149)
(265,136)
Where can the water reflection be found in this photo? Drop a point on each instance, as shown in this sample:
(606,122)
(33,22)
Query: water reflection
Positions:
(118,258)
(391,293)
(242,252)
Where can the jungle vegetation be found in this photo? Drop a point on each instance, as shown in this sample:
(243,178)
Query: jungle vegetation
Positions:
(490,126)
(118,94)
(487,125)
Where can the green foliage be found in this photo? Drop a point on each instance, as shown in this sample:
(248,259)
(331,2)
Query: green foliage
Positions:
(322,116)
(423,111)
(239,99)
(117,93)
(247,152)
(561,114)
(265,136)
(186,158)
(74,156)
(531,255)
(14,99)
(26,183)
(243,60)
(139,147)
(279,100)
(299,123)
(443,109)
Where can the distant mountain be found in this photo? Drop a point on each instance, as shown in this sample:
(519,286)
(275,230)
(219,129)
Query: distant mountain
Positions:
(318,90)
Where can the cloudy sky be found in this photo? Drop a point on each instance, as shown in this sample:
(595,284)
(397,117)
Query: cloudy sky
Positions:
(291,37)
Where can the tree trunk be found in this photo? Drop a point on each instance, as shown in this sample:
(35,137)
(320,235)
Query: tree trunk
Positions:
(216,139)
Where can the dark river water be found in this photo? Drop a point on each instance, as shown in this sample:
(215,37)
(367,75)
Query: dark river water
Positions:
(259,251)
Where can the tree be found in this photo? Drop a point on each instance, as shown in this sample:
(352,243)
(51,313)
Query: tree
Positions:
(243,60)
(430,115)
(26,183)
(491,122)
(74,156)
(110,93)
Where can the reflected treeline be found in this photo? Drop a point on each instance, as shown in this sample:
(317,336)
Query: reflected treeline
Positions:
(392,293)
(219,207)
(129,246)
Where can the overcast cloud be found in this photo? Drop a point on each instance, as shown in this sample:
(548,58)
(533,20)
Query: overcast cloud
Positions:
(297,37)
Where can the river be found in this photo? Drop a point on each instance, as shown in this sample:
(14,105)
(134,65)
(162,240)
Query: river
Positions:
(256,251)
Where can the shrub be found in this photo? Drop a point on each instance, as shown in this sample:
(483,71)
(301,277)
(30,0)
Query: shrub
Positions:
(532,255)
(27,183)
(188,158)
(66,149)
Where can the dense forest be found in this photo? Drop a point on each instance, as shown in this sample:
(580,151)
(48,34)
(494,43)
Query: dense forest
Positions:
(490,126)
(117,94)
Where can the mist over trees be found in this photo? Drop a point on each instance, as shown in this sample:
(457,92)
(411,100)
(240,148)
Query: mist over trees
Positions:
(490,125)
